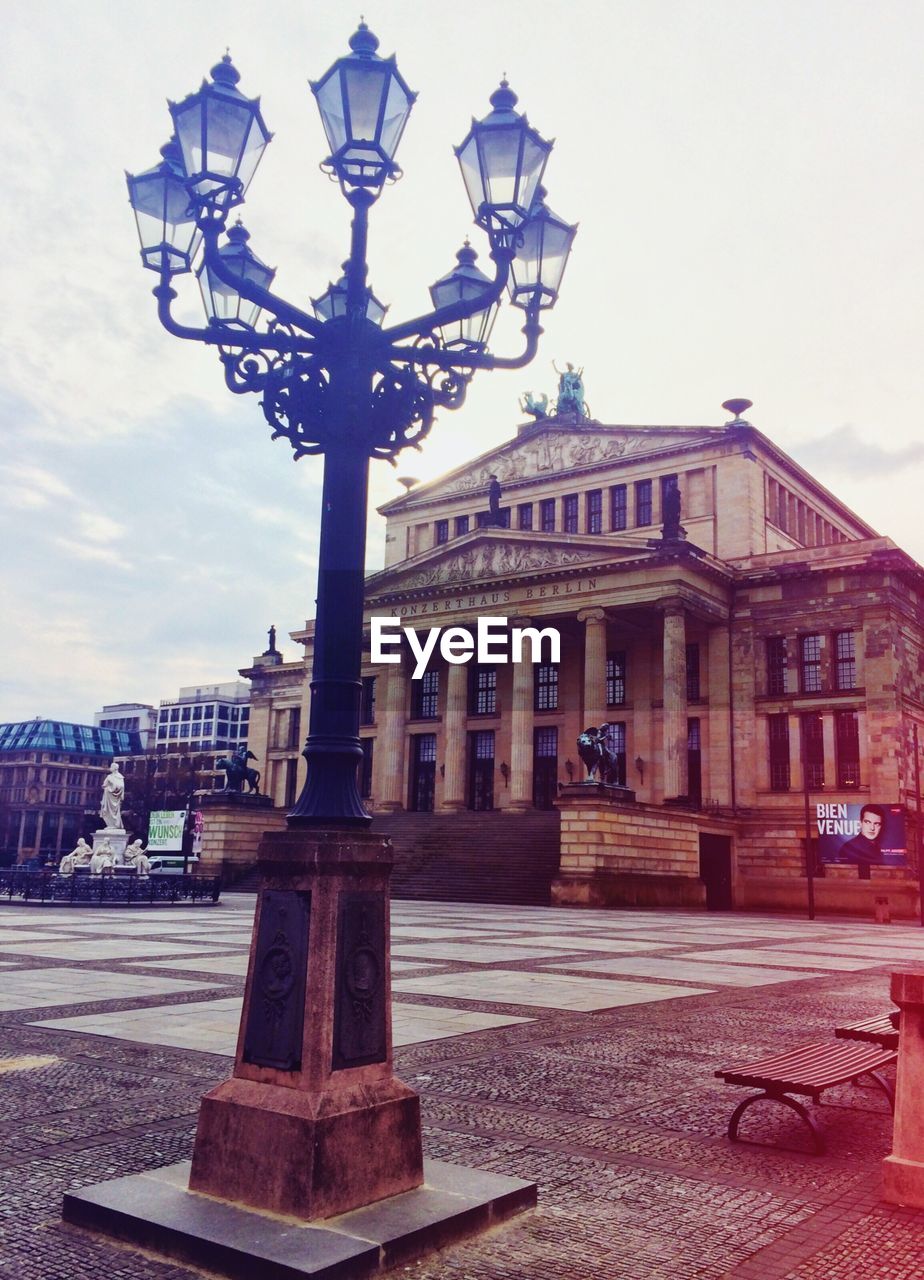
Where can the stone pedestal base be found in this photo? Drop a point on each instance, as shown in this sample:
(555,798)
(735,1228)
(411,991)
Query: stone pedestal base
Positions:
(303,1154)
(313,1122)
(117,839)
(903,1170)
(156,1212)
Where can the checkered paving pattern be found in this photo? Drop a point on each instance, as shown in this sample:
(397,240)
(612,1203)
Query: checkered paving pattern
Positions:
(573,1048)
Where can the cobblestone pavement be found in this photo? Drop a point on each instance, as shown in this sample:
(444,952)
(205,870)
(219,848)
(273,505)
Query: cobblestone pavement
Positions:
(576,1049)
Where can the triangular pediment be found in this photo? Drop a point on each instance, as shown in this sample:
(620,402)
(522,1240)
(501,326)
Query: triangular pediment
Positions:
(493,554)
(552,448)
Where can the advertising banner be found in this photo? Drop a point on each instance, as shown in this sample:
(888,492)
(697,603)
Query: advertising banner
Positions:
(197,829)
(165,831)
(861,835)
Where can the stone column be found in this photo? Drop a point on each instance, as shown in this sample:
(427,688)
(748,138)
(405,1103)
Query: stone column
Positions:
(455,736)
(594,621)
(675,701)
(393,739)
(903,1170)
(521,732)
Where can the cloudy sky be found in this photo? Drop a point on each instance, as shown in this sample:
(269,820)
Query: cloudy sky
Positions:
(748,181)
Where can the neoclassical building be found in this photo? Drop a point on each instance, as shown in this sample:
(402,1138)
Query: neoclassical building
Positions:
(770,645)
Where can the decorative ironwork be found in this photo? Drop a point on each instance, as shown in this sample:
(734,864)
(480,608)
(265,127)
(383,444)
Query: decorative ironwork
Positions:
(276,1015)
(359,1010)
(338,383)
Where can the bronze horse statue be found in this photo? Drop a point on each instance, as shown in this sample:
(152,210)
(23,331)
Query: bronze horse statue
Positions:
(600,762)
(237,772)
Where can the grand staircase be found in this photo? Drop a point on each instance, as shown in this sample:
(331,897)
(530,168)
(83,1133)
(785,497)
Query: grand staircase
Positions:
(474,857)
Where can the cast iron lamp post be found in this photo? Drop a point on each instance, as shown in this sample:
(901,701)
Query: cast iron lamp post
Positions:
(338,381)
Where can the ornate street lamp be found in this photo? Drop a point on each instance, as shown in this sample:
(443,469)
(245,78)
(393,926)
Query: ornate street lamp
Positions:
(336,382)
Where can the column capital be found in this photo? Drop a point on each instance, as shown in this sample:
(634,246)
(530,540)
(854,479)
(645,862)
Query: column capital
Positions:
(591,615)
(672,606)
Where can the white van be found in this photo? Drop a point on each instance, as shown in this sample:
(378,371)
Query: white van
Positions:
(171,864)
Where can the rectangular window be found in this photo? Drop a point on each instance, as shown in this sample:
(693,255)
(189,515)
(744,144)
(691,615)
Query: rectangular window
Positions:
(547,515)
(293,739)
(845,661)
(619,510)
(462,525)
(365,776)
(570,513)
(525,516)
(595,511)
(778,734)
(810,663)
(643,513)
(442,531)
(482,690)
(291,783)
(545,689)
(693,685)
(776,664)
(426,696)
(545,767)
(813,750)
(616,679)
(847,746)
(367,705)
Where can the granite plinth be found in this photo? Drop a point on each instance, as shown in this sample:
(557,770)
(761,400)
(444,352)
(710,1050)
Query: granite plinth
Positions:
(156,1211)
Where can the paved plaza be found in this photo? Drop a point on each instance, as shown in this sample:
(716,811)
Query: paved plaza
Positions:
(576,1049)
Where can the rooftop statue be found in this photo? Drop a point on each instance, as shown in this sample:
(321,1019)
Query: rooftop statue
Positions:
(535,406)
(570,390)
(672,530)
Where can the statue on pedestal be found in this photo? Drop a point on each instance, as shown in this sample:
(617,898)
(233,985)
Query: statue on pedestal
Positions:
(110,809)
(570,390)
(102,859)
(598,759)
(237,771)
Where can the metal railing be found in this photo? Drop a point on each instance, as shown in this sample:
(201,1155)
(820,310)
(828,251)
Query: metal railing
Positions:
(21,886)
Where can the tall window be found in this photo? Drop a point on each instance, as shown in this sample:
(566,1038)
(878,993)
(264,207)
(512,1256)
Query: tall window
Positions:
(643,514)
(367,706)
(813,749)
(693,684)
(547,515)
(462,525)
(481,770)
(694,762)
(365,777)
(570,512)
(616,742)
(845,661)
(525,516)
(810,663)
(545,767)
(595,511)
(423,772)
(545,689)
(778,733)
(776,664)
(847,747)
(616,679)
(619,515)
(482,690)
(442,531)
(426,695)
(290,783)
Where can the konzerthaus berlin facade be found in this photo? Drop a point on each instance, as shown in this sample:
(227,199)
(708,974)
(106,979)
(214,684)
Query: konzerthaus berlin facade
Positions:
(777,640)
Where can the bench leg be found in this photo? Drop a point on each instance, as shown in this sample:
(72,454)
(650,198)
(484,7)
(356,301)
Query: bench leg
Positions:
(802,1112)
(884,1086)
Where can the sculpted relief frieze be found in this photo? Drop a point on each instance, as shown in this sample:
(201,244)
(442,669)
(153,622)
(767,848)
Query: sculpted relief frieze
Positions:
(557,452)
(494,560)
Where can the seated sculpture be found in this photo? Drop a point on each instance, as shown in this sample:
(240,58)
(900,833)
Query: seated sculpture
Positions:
(79,856)
(135,856)
(102,860)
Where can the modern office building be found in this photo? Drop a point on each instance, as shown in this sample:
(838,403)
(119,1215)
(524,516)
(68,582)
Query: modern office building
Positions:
(131,717)
(51,776)
(205,718)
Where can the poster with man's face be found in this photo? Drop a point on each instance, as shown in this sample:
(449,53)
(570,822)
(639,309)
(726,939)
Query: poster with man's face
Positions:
(861,835)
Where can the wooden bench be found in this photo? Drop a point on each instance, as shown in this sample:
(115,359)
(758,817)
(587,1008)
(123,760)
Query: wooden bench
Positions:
(881,1030)
(808,1070)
